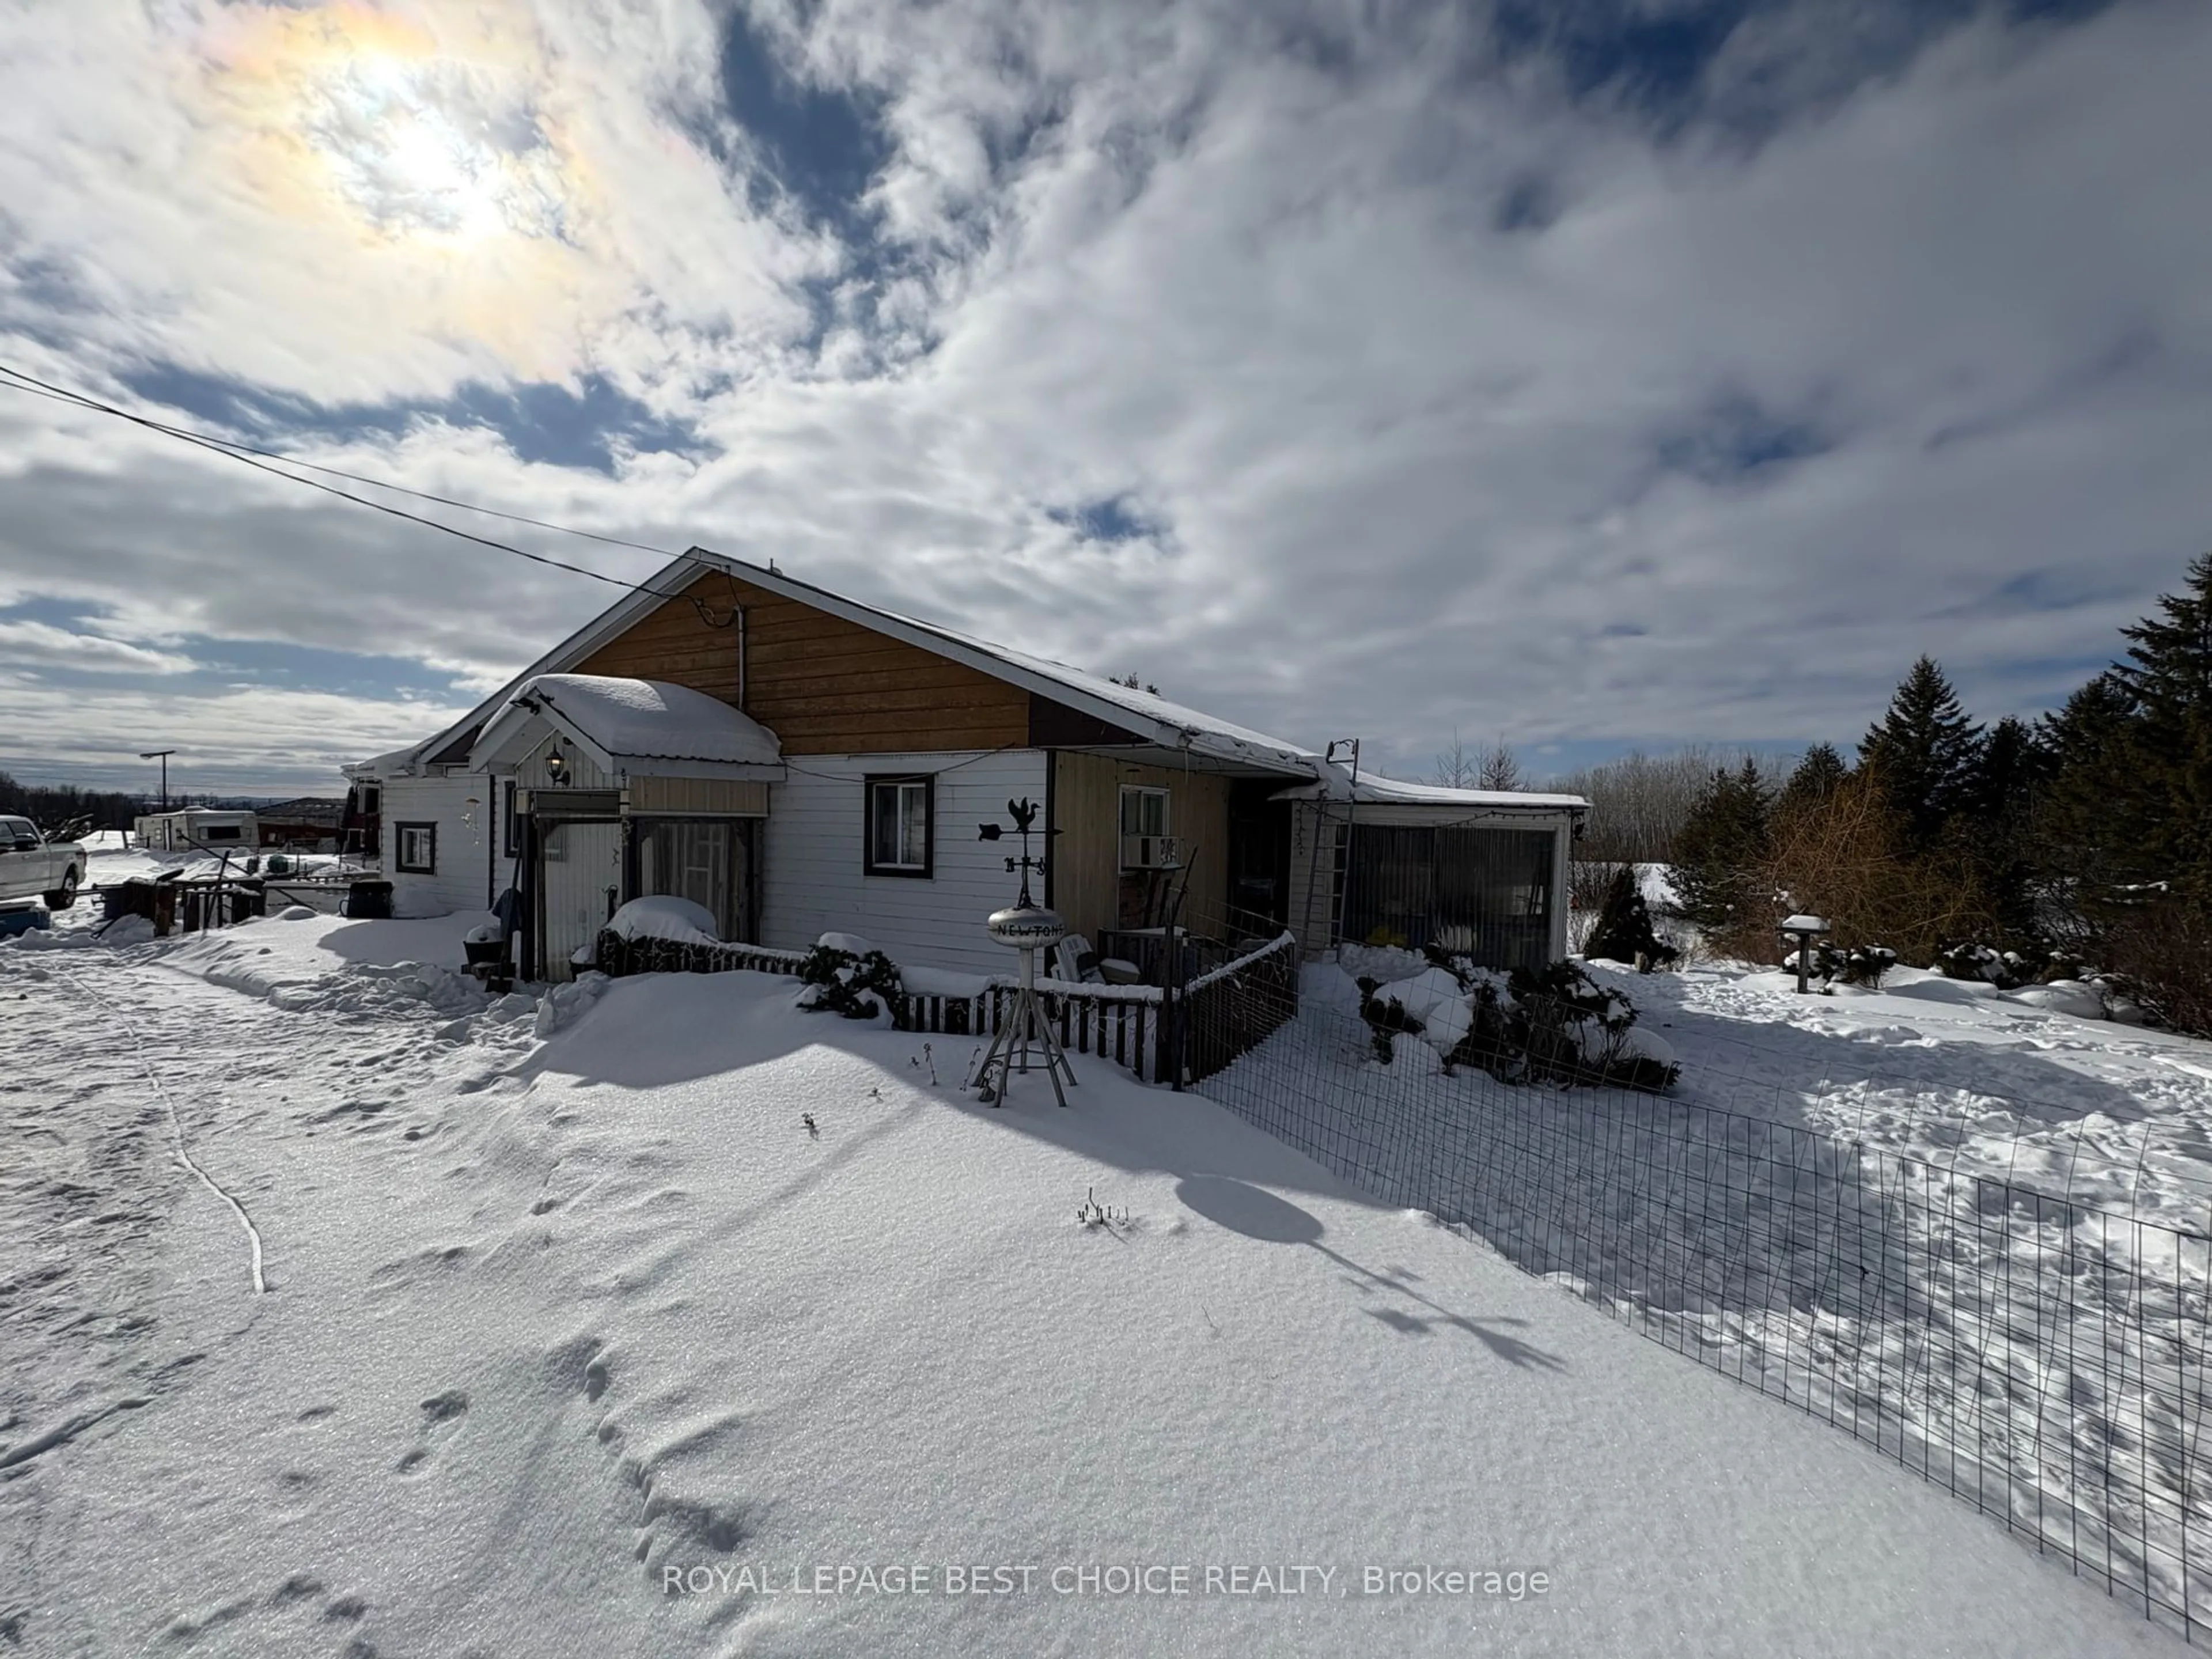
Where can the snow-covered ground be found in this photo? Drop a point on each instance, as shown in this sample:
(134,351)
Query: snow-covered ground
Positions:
(1955,1073)
(708,1326)
(1977,1240)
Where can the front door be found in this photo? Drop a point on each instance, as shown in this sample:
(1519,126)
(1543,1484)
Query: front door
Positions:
(582,868)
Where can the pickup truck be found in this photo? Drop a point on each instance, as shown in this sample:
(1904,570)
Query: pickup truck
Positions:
(31,866)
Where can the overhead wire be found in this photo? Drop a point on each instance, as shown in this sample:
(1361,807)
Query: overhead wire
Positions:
(263,460)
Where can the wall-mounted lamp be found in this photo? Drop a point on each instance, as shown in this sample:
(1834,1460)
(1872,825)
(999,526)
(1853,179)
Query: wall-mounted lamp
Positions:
(557,765)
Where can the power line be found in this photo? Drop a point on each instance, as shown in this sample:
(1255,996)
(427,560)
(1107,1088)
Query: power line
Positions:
(16,379)
(85,400)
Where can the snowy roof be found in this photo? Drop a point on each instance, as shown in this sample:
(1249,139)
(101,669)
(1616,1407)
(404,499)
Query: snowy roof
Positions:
(1208,733)
(1373,790)
(624,722)
(395,764)
(1151,720)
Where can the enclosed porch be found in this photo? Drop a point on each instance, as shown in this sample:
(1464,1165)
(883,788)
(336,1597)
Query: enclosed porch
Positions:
(1482,874)
(614,789)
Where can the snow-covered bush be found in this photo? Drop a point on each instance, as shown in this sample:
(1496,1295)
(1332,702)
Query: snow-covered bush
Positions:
(2003,969)
(1567,1027)
(1388,1015)
(1864,965)
(2063,964)
(1556,1025)
(846,975)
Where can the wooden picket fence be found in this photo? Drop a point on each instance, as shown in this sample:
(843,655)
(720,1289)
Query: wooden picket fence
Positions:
(1120,1023)
(1175,1034)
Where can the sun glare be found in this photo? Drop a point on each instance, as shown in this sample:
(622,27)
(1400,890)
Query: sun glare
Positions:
(416,149)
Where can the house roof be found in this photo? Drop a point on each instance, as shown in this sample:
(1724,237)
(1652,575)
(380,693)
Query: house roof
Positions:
(1372,790)
(1171,725)
(1154,719)
(634,726)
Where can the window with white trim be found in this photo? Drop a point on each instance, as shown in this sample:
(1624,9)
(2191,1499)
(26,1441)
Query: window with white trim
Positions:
(1144,811)
(416,845)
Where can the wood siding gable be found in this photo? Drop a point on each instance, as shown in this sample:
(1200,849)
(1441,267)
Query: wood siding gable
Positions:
(823,685)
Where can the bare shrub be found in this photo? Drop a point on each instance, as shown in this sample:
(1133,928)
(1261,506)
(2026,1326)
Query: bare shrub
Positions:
(2160,953)
(1847,859)
(1639,802)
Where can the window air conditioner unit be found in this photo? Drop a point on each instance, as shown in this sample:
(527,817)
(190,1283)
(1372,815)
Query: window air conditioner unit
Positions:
(1151,853)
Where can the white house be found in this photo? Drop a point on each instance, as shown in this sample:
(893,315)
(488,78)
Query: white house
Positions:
(797,761)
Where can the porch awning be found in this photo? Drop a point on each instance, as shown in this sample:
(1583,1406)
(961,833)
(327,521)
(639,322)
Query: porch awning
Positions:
(631,728)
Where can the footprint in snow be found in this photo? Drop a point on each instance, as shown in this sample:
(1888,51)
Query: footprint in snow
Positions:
(442,1415)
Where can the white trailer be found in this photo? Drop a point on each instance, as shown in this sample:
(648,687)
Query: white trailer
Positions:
(198,829)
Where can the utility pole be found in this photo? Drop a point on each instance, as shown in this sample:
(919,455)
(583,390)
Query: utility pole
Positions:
(162,755)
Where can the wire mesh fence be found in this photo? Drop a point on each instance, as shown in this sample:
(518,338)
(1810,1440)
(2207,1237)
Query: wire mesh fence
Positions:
(2042,1359)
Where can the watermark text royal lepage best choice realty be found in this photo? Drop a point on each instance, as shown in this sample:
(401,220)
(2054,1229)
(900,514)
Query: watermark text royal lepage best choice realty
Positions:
(1117,1578)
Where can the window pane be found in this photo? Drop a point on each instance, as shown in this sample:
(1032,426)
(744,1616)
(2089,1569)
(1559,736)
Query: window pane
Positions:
(883,804)
(690,860)
(914,843)
(1144,811)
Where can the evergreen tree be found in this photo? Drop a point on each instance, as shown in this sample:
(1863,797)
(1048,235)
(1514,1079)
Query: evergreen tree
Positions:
(1996,837)
(2169,676)
(1815,780)
(1722,845)
(2087,824)
(2012,763)
(1927,751)
(1623,932)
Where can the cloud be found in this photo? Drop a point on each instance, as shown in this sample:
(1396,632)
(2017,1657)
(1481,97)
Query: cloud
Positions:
(242,740)
(1342,370)
(35,645)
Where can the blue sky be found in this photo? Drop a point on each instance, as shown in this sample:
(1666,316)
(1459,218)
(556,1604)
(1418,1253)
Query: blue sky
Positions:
(1602,375)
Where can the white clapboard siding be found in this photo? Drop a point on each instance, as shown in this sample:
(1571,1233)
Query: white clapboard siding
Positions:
(811,876)
(465,835)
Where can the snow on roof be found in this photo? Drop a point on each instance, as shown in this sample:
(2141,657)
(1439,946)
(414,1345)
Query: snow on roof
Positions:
(1209,733)
(1374,790)
(642,720)
(378,767)
(1152,717)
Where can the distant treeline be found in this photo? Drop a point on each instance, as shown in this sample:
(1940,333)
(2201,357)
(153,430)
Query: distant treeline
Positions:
(2082,839)
(48,804)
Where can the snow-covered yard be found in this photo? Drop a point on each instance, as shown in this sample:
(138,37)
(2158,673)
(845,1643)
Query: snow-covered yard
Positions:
(1959,1073)
(703,1326)
(1977,1240)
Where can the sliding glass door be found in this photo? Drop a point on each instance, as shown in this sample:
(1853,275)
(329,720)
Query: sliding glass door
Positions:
(706,860)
